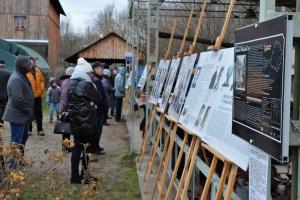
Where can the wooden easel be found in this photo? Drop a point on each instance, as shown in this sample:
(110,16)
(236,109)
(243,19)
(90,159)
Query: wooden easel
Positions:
(154,110)
(216,155)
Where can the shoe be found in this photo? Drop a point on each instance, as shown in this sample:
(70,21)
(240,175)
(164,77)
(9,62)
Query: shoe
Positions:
(100,152)
(101,148)
(29,133)
(50,121)
(109,117)
(106,124)
(41,133)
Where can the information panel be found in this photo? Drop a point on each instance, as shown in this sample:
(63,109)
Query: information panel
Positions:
(143,79)
(262,86)
(207,111)
(160,77)
(181,87)
(169,83)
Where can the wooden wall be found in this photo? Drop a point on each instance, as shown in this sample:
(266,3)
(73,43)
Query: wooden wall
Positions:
(36,25)
(54,37)
(111,47)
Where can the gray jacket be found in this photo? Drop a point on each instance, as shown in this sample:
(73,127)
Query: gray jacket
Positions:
(53,95)
(20,100)
(120,83)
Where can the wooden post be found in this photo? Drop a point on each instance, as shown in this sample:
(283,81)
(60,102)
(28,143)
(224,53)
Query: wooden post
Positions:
(154,147)
(224,175)
(162,157)
(220,39)
(191,169)
(209,178)
(171,39)
(146,135)
(231,181)
(178,161)
(198,29)
(186,167)
(167,161)
(180,52)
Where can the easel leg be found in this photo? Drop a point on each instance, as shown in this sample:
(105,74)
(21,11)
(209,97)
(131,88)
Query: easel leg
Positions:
(166,167)
(154,147)
(209,178)
(162,159)
(144,143)
(186,167)
(178,161)
(191,169)
(224,175)
(231,182)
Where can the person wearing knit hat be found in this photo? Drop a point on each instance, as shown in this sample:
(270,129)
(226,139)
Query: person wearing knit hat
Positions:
(82,109)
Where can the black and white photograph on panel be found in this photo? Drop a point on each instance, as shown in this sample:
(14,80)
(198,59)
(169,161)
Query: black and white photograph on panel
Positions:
(181,87)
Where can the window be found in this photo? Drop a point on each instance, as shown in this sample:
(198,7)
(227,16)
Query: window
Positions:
(20,22)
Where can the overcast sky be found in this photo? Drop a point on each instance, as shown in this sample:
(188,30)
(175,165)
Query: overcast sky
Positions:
(81,11)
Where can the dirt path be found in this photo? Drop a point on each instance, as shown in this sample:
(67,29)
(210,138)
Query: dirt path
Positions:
(116,169)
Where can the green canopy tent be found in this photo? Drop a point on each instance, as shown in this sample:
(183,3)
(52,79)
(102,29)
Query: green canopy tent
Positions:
(9,58)
(17,49)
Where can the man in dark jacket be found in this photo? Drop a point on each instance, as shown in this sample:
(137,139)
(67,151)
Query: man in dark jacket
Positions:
(18,111)
(97,79)
(4,76)
(83,103)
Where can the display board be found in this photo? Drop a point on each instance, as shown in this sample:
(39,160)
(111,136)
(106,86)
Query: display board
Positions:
(181,87)
(169,83)
(159,81)
(207,111)
(143,79)
(262,90)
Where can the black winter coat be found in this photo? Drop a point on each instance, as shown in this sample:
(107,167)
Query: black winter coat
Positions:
(83,102)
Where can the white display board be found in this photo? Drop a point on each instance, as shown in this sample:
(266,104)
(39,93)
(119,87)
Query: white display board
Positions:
(259,174)
(207,111)
(160,77)
(182,83)
(169,83)
(143,79)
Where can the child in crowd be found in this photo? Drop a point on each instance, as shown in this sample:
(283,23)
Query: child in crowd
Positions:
(53,99)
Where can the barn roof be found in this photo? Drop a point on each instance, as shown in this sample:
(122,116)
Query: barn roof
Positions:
(107,56)
(58,6)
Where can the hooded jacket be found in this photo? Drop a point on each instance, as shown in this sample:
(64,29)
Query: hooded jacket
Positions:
(109,90)
(120,83)
(83,102)
(4,76)
(20,95)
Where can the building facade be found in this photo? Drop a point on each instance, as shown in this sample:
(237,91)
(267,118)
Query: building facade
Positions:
(33,23)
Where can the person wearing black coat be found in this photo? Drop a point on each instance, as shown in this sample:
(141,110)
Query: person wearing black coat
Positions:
(97,80)
(82,109)
(4,76)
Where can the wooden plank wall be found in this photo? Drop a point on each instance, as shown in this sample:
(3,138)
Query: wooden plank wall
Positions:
(54,37)
(111,47)
(36,25)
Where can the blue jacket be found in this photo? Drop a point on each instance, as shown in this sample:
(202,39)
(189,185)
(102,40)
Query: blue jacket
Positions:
(120,83)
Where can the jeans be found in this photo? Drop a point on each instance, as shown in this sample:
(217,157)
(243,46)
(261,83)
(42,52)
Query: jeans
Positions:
(52,107)
(19,133)
(75,159)
(2,108)
(38,114)
(119,102)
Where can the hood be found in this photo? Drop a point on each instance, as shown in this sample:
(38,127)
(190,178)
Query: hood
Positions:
(80,73)
(22,64)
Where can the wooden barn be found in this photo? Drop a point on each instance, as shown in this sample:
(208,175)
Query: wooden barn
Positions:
(110,49)
(35,24)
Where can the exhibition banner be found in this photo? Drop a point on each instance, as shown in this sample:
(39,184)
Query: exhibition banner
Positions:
(169,83)
(262,89)
(143,79)
(207,111)
(181,87)
(160,77)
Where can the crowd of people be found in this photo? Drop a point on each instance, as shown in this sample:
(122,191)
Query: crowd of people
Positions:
(88,94)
